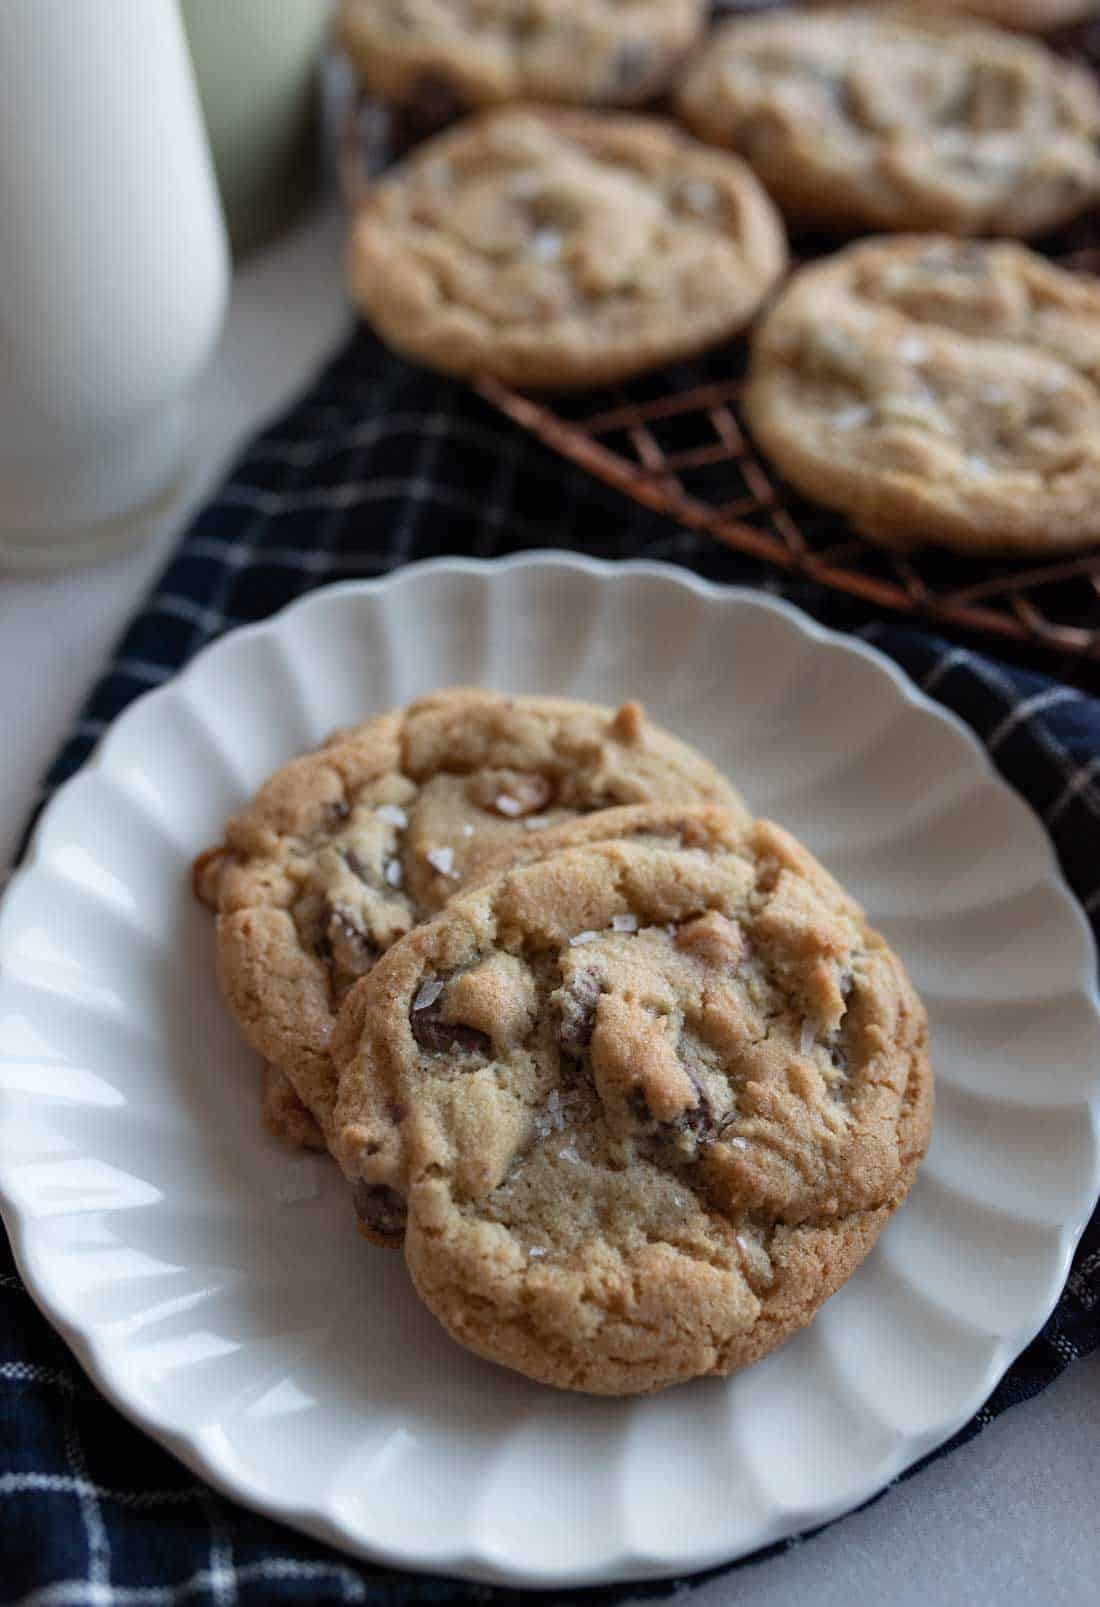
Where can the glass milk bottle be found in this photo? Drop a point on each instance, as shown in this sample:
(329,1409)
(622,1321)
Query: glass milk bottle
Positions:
(113,271)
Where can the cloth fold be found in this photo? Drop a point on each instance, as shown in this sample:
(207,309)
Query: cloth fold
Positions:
(377,465)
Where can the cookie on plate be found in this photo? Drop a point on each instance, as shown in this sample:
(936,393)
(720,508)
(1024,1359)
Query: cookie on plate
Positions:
(702,829)
(936,390)
(343,850)
(556,249)
(901,118)
(656,824)
(466,53)
(648,1107)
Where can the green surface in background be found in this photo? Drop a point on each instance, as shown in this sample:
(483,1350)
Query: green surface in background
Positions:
(257,67)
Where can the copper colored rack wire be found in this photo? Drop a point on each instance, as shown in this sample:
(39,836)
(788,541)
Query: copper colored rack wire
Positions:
(676,444)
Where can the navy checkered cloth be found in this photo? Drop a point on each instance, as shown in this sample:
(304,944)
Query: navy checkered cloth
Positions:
(377,465)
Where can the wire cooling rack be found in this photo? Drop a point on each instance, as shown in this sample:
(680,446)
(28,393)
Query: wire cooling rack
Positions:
(675,442)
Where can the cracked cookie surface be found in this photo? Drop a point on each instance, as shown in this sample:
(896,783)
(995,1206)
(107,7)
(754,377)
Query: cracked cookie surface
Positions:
(648,1106)
(937,390)
(901,119)
(484,52)
(554,249)
(345,849)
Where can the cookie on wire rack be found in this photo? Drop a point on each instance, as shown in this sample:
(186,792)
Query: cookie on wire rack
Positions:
(1025,16)
(647,1108)
(900,118)
(555,249)
(937,391)
(461,54)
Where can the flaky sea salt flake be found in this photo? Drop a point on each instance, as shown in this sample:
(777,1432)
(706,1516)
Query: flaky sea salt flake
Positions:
(546,245)
(624,923)
(569,1154)
(698,195)
(394,873)
(582,937)
(428,994)
(536,822)
(505,804)
(442,860)
(393,815)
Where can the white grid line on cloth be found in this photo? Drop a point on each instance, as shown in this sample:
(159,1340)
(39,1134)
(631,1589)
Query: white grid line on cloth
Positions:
(222,1574)
(938,672)
(81,1593)
(289,557)
(142,669)
(368,432)
(998,683)
(1047,699)
(233,558)
(1065,1347)
(319,556)
(421,489)
(176,606)
(95,1530)
(1077,784)
(26,1372)
(1079,1281)
(501,492)
(351,493)
(66,1484)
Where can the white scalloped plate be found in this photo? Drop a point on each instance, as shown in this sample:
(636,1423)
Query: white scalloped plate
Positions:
(291,1365)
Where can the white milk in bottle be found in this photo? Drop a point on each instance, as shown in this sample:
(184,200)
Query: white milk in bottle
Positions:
(113,271)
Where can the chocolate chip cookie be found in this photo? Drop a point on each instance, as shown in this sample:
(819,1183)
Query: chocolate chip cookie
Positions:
(1026,16)
(559,249)
(901,119)
(345,849)
(465,53)
(646,1106)
(701,828)
(936,390)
